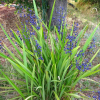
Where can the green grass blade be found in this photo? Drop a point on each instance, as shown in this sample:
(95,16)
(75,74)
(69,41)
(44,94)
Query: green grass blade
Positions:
(28,98)
(81,35)
(56,96)
(51,14)
(82,31)
(94,72)
(24,70)
(89,39)
(11,54)
(22,65)
(74,95)
(25,64)
(35,8)
(11,41)
(4,56)
(88,73)
(43,89)
(48,79)
(13,85)
(94,56)
(33,75)
(90,80)
(17,39)
(24,55)
(74,51)
(55,78)
(59,36)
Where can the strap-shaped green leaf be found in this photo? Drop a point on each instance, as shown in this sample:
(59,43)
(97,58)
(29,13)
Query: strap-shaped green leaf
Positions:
(13,85)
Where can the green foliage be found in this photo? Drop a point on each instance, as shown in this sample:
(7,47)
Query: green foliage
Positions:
(48,78)
(43,65)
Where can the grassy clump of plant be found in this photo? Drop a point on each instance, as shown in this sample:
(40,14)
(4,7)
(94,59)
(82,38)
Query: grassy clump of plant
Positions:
(50,64)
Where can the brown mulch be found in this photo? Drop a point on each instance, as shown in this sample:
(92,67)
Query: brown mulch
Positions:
(7,18)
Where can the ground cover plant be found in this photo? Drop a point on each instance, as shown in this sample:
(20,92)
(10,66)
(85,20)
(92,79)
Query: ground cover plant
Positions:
(49,64)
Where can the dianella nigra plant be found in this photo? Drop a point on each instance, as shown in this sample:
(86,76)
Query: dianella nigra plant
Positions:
(49,63)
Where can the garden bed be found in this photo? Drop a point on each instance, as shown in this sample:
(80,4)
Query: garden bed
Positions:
(8,20)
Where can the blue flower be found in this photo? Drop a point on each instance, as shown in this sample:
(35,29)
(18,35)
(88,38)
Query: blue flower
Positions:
(41,58)
(95,97)
(38,27)
(1,46)
(84,65)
